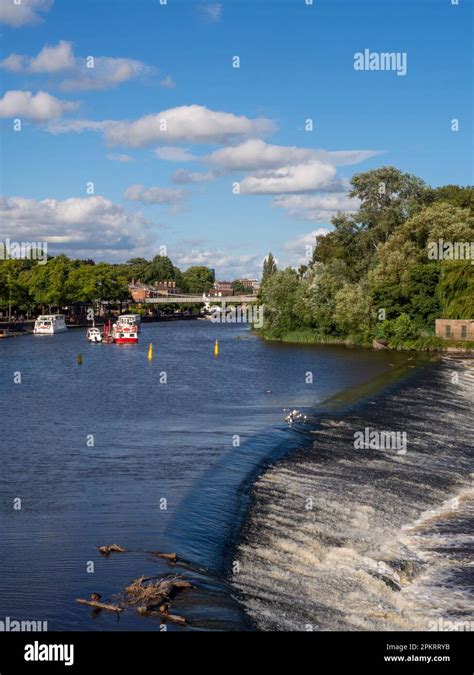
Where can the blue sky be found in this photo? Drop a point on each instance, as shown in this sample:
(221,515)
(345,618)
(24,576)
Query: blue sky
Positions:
(225,125)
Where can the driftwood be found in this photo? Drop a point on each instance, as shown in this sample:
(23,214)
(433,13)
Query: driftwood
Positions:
(115,548)
(99,605)
(153,598)
(172,557)
(150,610)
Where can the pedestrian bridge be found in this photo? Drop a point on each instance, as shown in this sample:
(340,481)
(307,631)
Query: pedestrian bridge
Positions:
(205,299)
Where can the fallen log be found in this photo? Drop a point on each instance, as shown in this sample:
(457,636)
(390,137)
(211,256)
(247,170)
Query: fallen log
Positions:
(164,614)
(99,605)
(112,548)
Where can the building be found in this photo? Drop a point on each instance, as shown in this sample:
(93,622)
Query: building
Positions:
(222,289)
(455,329)
(250,283)
(141,292)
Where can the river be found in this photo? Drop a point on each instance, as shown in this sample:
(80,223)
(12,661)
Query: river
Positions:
(163,456)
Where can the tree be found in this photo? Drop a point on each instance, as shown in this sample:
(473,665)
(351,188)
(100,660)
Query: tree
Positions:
(159,269)
(198,279)
(387,198)
(269,267)
(278,297)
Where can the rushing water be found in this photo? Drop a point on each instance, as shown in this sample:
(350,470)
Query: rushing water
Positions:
(371,539)
(108,452)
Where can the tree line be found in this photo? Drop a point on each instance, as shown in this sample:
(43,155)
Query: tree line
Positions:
(27,286)
(372,277)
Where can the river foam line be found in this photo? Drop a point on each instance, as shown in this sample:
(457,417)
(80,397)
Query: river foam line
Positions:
(340,538)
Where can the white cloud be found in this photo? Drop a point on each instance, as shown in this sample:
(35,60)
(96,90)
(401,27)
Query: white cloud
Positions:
(211,12)
(300,249)
(154,195)
(27,12)
(174,154)
(107,73)
(39,107)
(315,208)
(227,266)
(92,226)
(308,177)
(187,124)
(168,82)
(101,73)
(183,176)
(52,59)
(119,158)
(254,154)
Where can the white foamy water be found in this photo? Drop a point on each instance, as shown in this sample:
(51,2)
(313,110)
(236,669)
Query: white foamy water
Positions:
(346,539)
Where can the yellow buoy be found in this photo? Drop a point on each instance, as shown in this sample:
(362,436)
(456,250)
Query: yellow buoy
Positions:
(79,359)
(216,348)
(150,352)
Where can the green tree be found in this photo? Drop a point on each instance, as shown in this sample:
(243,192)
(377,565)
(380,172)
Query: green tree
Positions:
(198,279)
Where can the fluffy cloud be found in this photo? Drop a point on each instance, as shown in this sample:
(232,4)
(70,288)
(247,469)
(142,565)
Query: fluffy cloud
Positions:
(300,250)
(174,154)
(107,73)
(308,177)
(154,195)
(27,12)
(254,155)
(39,107)
(316,208)
(226,266)
(101,73)
(183,176)
(82,226)
(185,124)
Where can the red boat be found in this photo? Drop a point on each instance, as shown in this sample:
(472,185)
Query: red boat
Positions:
(125,333)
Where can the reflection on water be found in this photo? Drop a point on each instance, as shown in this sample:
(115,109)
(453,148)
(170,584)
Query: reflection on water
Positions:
(154,445)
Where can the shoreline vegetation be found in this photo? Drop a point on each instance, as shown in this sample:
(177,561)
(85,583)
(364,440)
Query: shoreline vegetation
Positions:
(428,343)
(385,273)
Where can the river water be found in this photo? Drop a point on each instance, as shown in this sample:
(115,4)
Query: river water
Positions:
(163,456)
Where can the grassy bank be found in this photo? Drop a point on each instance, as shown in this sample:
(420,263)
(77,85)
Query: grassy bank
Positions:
(420,344)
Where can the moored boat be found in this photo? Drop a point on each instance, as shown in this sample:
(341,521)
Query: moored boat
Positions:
(49,324)
(130,320)
(94,334)
(124,333)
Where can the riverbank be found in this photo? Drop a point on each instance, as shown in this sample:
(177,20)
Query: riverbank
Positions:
(346,538)
(422,344)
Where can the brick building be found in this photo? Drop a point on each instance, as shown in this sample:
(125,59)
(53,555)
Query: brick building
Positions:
(455,329)
(160,289)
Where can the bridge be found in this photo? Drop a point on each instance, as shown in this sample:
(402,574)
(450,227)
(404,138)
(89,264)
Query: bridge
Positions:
(195,299)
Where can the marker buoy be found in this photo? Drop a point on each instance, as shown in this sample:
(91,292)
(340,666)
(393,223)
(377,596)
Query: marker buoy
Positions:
(150,352)
(216,348)
(79,359)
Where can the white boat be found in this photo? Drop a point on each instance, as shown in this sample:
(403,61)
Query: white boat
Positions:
(49,324)
(94,334)
(125,333)
(130,320)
